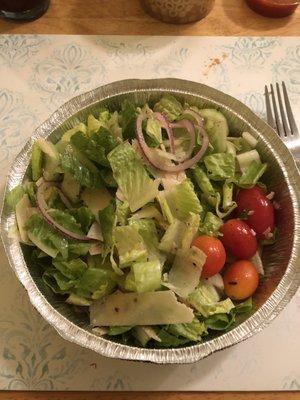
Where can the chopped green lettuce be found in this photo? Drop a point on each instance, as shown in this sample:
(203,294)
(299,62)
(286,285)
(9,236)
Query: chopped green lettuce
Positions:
(82,170)
(203,182)
(210,225)
(205,300)
(66,137)
(153,130)
(45,237)
(36,162)
(97,146)
(130,245)
(128,118)
(65,219)
(107,219)
(14,196)
(252,174)
(169,106)
(122,212)
(182,200)
(216,127)
(192,331)
(84,217)
(147,276)
(172,239)
(220,166)
(147,229)
(132,178)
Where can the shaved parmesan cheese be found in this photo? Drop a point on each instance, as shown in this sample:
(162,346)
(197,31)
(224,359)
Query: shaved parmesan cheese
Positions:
(150,308)
(185,273)
(95,232)
(96,249)
(217,282)
(96,199)
(257,262)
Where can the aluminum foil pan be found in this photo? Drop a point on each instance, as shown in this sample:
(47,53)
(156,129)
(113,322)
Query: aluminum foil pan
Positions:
(281,261)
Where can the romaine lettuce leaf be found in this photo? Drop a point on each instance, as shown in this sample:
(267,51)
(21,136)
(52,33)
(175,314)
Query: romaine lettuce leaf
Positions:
(169,106)
(205,300)
(130,245)
(107,219)
(97,146)
(84,217)
(252,174)
(183,200)
(216,127)
(66,137)
(71,269)
(172,239)
(147,276)
(132,178)
(220,166)
(65,219)
(192,331)
(93,125)
(210,225)
(36,162)
(128,118)
(14,196)
(122,212)
(82,170)
(202,181)
(153,130)
(45,237)
(118,330)
(57,281)
(95,283)
(165,209)
(147,229)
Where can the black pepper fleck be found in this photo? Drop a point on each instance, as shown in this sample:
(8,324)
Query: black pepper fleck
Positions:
(117,309)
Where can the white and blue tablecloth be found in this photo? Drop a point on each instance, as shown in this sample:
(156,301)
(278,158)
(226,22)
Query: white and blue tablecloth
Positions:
(39,73)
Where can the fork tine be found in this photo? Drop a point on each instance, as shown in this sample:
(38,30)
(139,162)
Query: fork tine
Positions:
(277,119)
(282,112)
(270,118)
(289,111)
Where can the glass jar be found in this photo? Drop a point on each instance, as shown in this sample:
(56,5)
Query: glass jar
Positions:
(178,11)
(23,9)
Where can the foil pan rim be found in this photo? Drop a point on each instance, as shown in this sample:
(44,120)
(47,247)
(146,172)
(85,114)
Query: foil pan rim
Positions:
(67,329)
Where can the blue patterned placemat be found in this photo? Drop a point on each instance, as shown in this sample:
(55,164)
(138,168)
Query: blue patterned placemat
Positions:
(39,73)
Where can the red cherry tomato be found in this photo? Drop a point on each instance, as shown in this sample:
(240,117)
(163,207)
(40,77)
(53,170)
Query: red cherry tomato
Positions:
(261,217)
(238,239)
(240,280)
(215,254)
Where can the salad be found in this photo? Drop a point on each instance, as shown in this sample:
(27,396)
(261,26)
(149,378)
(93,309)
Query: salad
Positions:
(150,221)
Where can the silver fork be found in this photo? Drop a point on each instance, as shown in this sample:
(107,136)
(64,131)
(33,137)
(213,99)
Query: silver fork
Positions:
(282,121)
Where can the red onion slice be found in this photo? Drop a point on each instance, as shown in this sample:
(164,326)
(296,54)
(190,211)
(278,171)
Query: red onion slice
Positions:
(186,124)
(194,114)
(154,160)
(42,205)
(165,124)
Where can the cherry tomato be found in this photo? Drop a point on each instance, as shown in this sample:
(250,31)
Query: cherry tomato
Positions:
(261,217)
(240,280)
(215,254)
(238,239)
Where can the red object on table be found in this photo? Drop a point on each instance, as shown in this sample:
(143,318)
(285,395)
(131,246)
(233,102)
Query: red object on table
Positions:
(273,8)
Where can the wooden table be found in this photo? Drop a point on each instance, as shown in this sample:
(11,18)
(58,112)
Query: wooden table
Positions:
(229,18)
